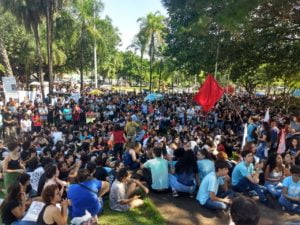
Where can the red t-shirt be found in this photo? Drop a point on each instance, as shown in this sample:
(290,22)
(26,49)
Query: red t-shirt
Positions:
(118,137)
(36,121)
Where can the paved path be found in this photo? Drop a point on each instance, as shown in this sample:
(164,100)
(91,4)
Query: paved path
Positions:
(186,211)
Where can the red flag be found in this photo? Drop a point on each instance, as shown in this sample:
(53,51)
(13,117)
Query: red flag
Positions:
(209,93)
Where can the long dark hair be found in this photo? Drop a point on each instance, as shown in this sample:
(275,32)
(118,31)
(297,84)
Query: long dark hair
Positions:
(14,193)
(271,162)
(186,164)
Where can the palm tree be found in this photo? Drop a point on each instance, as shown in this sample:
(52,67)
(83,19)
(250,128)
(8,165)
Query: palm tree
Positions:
(29,13)
(3,54)
(140,43)
(49,8)
(84,10)
(152,27)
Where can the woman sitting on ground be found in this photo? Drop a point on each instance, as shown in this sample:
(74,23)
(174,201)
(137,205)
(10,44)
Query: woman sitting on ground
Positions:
(185,175)
(50,214)
(131,156)
(13,206)
(274,174)
(123,194)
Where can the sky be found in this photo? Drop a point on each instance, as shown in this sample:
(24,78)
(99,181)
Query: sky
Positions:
(124,15)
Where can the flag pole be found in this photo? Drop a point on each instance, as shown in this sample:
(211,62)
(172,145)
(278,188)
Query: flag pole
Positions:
(234,107)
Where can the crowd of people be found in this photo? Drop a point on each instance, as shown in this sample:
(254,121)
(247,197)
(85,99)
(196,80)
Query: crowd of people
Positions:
(117,148)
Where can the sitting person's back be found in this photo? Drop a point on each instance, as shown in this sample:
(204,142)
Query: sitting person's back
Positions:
(159,170)
(85,195)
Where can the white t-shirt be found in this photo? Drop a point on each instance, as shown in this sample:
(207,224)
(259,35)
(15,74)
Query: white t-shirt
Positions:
(57,136)
(35,177)
(26,125)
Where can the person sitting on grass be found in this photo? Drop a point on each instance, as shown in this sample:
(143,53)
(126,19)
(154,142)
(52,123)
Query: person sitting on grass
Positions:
(209,195)
(244,211)
(14,205)
(245,177)
(50,214)
(185,175)
(159,170)
(87,194)
(123,194)
(290,196)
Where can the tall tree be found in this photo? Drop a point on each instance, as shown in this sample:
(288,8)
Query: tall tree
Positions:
(3,55)
(50,7)
(29,12)
(153,28)
(84,10)
(140,44)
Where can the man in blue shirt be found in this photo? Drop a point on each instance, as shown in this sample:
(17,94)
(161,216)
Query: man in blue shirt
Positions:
(290,197)
(245,176)
(251,130)
(208,194)
(159,170)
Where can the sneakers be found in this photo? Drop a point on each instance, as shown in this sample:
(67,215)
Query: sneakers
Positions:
(174,193)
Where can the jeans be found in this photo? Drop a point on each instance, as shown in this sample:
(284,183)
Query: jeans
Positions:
(274,189)
(245,185)
(289,205)
(20,222)
(216,205)
(174,184)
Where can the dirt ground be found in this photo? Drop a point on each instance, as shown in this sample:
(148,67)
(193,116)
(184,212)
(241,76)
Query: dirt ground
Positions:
(186,211)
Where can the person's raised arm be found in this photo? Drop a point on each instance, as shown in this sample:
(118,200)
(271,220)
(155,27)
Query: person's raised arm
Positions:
(61,217)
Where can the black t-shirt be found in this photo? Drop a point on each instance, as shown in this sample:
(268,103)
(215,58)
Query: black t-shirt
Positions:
(7,216)
(8,117)
(100,174)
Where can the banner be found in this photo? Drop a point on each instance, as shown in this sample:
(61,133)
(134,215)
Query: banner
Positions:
(9,84)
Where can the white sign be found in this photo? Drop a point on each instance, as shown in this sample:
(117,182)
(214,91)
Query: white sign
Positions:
(9,84)
(33,211)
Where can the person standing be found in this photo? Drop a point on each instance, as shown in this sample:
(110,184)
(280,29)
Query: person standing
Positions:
(118,139)
(12,166)
(36,122)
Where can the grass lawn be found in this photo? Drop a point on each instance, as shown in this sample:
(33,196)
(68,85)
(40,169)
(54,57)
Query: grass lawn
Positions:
(145,215)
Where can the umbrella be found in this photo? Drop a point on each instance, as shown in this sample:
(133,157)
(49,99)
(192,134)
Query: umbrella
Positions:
(95,92)
(153,97)
(296,93)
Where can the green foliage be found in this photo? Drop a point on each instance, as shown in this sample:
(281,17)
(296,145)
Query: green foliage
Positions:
(19,45)
(2,69)
(257,41)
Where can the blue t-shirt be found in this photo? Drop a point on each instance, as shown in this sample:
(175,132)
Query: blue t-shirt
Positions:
(205,166)
(293,188)
(209,184)
(159,173)
(240,171)
(250,131)
(67,114)
(83,199)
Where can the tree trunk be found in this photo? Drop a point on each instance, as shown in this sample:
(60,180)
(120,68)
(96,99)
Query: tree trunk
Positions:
(81,58)
(49,22)
(5,59)
(151,51)
(35,28)
(141,70)
(159,79)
